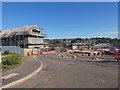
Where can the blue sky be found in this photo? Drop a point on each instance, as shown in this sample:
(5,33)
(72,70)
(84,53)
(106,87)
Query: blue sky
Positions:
(64,20)
(0,15)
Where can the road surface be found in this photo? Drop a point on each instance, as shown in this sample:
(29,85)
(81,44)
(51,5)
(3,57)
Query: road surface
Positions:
(73,73)
(25,69)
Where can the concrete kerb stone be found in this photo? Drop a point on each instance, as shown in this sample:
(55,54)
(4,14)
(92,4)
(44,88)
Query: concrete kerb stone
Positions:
(23,79)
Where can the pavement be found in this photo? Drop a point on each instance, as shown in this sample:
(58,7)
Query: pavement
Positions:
(29,65)
(73,73)
(5,55)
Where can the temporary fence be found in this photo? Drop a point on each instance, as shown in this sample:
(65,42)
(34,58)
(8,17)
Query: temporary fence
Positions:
(49,52)
(13,49)
(28,52)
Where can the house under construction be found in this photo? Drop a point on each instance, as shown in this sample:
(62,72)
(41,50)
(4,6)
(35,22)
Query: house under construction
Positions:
(25,37)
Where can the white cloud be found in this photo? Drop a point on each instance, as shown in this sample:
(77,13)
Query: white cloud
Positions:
(112,32)
(106,33)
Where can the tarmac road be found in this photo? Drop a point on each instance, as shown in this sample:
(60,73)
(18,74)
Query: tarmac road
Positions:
(71,73)
(25,69)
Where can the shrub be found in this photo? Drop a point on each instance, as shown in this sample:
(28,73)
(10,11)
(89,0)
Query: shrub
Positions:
(14,59)
(4,66)
(6,52)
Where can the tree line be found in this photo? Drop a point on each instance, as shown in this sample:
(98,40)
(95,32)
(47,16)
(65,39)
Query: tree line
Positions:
(97,40)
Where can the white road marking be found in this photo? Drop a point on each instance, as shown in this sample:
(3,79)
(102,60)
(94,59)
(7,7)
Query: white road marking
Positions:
(9,76)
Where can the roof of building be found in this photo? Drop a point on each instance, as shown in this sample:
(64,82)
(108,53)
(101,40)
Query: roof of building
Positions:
(25,30)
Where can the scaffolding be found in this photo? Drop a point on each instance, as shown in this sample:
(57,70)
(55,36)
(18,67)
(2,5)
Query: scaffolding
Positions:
(25,37)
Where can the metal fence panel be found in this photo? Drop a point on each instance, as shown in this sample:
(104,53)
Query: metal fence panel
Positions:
(13,49)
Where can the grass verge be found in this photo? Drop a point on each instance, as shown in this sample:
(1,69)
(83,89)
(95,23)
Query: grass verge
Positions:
(11,62)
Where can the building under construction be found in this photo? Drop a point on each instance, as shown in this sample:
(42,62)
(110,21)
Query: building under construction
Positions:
(25,37)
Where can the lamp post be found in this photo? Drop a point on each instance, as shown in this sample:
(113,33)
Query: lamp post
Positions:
(93,45)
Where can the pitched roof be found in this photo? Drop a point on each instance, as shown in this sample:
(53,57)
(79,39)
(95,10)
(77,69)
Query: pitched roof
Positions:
(25,30)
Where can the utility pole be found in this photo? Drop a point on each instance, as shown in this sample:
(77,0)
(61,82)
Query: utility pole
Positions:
(93,41)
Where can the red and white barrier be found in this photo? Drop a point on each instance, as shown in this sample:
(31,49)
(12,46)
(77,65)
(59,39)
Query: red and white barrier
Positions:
(53,51)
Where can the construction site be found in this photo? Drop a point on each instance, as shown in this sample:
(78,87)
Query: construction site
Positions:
(30,40)
(24,37)
(27,38)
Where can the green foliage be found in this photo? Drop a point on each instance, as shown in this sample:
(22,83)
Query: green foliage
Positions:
(5,67)
(61,42)
(81,49)
(7,52)
(12,60)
